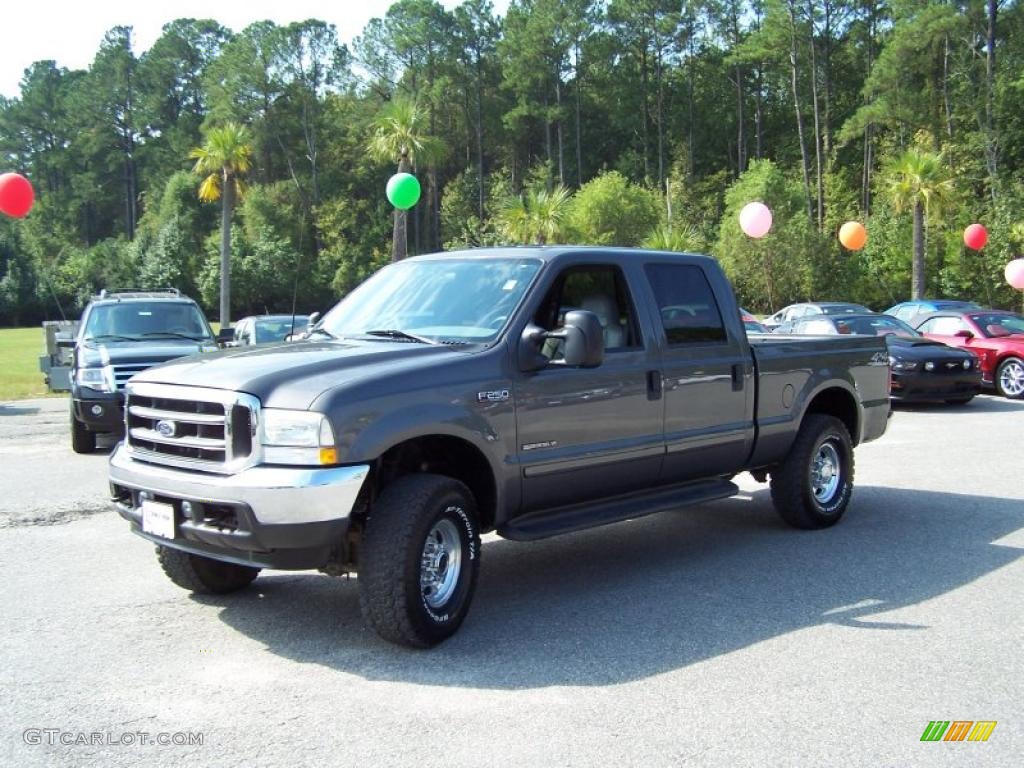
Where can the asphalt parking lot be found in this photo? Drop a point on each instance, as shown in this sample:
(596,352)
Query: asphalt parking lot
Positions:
(709,636)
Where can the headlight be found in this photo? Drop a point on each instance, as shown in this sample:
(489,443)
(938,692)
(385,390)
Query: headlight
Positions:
(899,364)
(100,379)
(297,437)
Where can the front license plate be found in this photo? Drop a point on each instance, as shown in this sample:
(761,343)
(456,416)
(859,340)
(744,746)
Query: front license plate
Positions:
(158,518)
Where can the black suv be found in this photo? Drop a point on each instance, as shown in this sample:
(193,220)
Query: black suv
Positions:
(122,333)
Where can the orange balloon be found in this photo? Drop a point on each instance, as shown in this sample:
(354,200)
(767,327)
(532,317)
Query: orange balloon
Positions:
(852,235)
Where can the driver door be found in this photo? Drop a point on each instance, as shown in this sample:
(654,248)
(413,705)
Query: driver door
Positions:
(595,432)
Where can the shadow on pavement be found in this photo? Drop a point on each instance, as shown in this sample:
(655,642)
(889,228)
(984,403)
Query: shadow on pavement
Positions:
(17,410)
(980,404)
(640,598)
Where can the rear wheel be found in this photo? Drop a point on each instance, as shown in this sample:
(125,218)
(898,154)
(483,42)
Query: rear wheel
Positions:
(812,487)
(1010,377)
(419,560)
(82,440)
(204,575)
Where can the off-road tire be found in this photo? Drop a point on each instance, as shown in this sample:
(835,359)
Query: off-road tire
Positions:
(82,440)
(391,565)
(792,484)
(203,575)
(1015,362)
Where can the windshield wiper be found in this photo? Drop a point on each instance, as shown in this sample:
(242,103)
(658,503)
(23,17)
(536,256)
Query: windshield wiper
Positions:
(394,333)
(173,334)
(111,337)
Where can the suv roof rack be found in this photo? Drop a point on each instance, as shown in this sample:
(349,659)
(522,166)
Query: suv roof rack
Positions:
(134,293)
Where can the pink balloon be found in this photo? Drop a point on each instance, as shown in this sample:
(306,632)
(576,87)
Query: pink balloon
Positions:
(975,237)
(1015,274)
(755,219)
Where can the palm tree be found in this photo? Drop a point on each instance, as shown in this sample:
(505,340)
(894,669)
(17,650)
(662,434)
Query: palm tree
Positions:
(919,181)
(535,217)
(398,134)
(222,161)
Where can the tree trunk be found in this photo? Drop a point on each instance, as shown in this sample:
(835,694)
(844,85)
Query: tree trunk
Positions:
(579,107)
(991,146)
(558,128)
(645,111)
(741,140)
(794,82)
(479,139)
(817,118)
(917,276)
(399,238)
(227,207)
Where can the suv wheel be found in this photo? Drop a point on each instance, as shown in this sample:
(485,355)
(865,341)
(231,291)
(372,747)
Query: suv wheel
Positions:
(204,575)
(812,486)
(82,440)
(419,560)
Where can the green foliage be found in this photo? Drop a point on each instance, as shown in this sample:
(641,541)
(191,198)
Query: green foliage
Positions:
(536,216)
(610,210)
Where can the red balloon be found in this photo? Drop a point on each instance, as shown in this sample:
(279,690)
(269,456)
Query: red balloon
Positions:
(975,237)
(16,195)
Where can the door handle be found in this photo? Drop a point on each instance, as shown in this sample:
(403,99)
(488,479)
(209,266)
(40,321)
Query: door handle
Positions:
(737,377)
(654,386)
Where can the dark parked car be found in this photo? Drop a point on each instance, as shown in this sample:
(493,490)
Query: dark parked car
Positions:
(751,323)
(121,334)
(995,336)
(796,311)
(910,311)
(920,369)
(262,329)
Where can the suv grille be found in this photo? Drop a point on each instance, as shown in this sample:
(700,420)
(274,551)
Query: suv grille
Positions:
(206,429)
(124,371)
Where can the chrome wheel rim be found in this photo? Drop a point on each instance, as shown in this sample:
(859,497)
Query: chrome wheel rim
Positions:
(440,563)
(825,473)
(1011,378)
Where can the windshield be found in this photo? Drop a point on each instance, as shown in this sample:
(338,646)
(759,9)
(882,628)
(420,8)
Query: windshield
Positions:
(995,325)
(877,325)
(134,320)
(276,328)
(461,300)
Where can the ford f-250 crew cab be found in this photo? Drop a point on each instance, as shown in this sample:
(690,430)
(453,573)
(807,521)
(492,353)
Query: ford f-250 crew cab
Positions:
(528,391)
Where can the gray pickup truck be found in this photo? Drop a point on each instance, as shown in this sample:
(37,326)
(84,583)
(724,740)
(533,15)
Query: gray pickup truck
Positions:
(527,391)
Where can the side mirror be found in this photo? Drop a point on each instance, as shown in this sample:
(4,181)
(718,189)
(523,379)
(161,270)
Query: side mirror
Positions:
(964,334)
(584,339)
(225,335)
(582,343)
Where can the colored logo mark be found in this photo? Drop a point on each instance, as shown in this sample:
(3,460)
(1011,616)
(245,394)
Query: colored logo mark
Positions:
(958,730)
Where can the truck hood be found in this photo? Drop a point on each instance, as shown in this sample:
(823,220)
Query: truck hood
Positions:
(293,374)
(136,352)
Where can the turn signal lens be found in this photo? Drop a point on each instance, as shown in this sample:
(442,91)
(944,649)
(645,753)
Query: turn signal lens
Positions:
(328,455)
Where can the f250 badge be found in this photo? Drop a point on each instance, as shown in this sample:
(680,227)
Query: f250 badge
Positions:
(494,396)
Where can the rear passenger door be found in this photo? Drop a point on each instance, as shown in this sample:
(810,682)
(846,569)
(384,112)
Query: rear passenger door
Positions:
(708,376)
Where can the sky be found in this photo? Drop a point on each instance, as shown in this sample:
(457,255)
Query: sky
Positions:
(70,31)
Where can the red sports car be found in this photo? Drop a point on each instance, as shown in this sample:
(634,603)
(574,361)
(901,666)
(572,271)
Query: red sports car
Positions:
(995,336)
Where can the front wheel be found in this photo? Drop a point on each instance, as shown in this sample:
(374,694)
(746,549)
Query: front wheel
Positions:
(1010,378)
(812,487)
(204,575)
(82,440)
(419,560)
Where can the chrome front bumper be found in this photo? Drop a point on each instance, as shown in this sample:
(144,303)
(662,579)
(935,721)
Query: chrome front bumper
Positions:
(275,495)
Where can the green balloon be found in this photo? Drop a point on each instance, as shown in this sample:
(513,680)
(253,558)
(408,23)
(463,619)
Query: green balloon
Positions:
(403,191)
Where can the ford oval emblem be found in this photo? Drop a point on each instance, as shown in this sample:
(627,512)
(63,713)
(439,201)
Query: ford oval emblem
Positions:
(166,428)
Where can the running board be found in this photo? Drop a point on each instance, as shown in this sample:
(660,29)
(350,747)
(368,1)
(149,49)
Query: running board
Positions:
(577,517)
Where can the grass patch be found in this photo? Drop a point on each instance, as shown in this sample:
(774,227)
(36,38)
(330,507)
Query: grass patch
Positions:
(20,376)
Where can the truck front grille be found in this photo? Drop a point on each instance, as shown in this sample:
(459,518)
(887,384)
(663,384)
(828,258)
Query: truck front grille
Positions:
(206,429)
